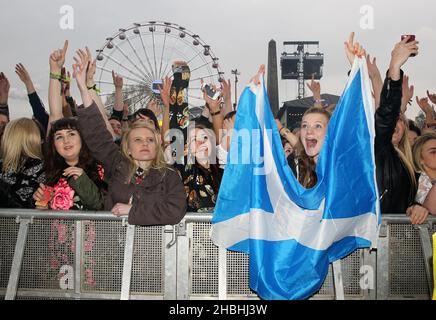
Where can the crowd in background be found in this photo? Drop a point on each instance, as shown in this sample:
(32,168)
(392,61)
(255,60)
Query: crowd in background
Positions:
(157,164)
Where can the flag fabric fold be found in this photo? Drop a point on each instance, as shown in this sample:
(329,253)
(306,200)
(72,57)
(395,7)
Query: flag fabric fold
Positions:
(292,233)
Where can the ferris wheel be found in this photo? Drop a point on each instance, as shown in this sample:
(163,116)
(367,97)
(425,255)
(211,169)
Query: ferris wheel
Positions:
(143,55)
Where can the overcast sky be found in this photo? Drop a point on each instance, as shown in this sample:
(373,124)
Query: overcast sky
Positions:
(237,31)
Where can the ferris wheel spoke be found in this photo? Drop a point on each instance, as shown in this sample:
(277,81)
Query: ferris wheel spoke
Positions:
(126,99)
(198,53)
(125,85)
(139,100)
(150,76)
(164,73)
(203,65)
(146,56)
(122,75)
(154,54)
(134,64)
(162,54)
(130,99)
(205,77)
(141,80)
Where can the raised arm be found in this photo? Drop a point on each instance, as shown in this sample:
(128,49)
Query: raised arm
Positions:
(376,79)
(118,83)
(56,61)
(38,109)
(90,83)
(226,93)
(217,117)
(387,114)
(91,121)
(165,96)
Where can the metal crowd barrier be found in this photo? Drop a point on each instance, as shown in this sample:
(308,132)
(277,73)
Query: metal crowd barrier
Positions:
(95,255)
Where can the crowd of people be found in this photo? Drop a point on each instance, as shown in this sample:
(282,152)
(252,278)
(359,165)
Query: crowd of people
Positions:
(157,164)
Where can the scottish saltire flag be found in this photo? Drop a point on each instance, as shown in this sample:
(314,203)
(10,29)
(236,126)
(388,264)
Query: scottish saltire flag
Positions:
(292,233)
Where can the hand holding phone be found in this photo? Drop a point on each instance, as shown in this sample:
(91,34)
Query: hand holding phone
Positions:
(411,38)
(210,92)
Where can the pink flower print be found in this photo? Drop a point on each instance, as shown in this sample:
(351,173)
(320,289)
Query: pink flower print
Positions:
(62,233)
(91,232)
(88,245)
(64,258)
(54,263)
(63,196)
(89,277)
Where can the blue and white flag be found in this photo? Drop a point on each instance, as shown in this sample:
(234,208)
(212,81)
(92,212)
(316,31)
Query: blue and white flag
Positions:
(292,233)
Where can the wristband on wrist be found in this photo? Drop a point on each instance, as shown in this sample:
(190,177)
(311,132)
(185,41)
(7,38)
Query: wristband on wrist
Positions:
(215,113)
(55,76)
(94,87)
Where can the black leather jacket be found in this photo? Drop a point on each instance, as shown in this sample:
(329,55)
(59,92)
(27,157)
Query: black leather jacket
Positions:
(393,180)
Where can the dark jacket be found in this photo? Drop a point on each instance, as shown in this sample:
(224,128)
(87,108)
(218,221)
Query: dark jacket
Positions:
(158,200)
(393,180)
(90,195)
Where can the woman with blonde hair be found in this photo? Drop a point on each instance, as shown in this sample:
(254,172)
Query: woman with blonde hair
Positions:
(424,156)
(141,185)
(21,163)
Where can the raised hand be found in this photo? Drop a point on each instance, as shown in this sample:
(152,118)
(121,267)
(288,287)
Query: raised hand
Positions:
(57,58)
(400,54)
(424,105)
(226,90)
(213,105)
(432,97)
(22,73)
(118,80)
(407,94)
(353,49)
(165,90)
(315,87)
(373,70)
(256,79)
(4,88)
(80,69)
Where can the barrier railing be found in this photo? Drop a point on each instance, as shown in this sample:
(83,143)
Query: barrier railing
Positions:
(95,255)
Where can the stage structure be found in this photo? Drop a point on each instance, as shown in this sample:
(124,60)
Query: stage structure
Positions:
(301,64)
